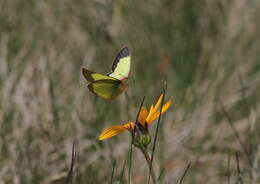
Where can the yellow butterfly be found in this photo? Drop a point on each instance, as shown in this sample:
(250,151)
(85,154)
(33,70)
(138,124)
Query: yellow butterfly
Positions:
(114,83)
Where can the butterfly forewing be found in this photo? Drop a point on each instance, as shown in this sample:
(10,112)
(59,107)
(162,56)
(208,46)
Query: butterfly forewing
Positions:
(121,64)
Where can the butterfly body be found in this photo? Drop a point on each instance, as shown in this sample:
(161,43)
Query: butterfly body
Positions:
(114,83)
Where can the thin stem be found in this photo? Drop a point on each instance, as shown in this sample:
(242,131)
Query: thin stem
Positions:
(238,170)
(131,145)
(160,175)
(236,133)
(122,172)
(113,170)
(228,167)
(185,172)
(149,162)
(69,178)
(130,163)
(156,134)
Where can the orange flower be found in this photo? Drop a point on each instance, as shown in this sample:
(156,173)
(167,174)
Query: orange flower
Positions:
(145,118)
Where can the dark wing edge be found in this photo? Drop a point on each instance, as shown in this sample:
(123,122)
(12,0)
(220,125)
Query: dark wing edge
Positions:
(87,74)
(124,52)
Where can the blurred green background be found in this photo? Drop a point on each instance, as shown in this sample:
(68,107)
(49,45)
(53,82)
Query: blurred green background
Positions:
(207,51)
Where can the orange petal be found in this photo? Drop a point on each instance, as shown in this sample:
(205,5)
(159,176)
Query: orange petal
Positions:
(142,116)
(158,103)
(129,125)
(153,109)
(157,114)
(112,131)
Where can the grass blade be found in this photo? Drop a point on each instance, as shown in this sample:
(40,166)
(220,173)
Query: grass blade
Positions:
(184,173)
(230,122)
(70,173)
(240,180)
(156,136)
(113,170)
(122,173)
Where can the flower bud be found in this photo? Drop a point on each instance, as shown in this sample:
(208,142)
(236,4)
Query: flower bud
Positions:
(142,141)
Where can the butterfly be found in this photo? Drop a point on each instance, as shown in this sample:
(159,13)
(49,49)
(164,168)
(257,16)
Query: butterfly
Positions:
(115,82)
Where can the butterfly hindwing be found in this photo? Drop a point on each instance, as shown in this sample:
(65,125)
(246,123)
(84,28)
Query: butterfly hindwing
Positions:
(93,76)
(107,89)
(121,64)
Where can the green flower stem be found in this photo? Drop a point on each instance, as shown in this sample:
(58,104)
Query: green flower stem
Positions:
(148,160)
